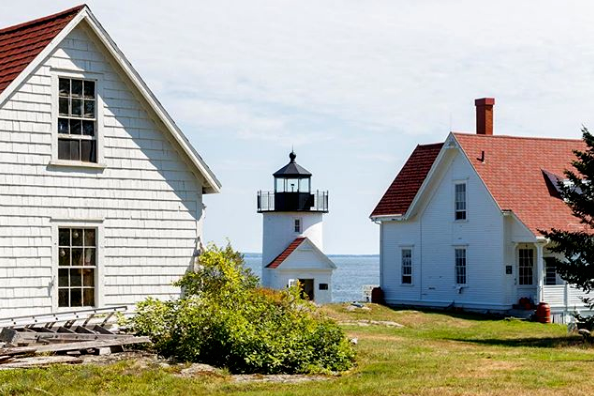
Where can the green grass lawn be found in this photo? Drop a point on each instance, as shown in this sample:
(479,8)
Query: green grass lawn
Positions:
(433,354)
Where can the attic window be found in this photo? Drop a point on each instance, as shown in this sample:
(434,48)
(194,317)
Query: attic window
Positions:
(77,120)
(460,201)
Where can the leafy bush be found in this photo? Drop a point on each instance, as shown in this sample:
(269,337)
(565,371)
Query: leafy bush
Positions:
(224,319)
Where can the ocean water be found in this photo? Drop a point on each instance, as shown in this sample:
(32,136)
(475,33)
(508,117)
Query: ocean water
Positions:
(352,274)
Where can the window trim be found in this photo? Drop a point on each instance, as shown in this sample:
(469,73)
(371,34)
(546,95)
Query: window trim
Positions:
(547,267)
(402,249)
(56,74)
(97,224)
(465,211)
(456,249)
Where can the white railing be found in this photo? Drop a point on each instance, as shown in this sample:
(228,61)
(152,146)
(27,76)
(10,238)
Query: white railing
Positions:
(563,296)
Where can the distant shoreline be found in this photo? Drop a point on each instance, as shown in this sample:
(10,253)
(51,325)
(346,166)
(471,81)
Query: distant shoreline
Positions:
(329,255)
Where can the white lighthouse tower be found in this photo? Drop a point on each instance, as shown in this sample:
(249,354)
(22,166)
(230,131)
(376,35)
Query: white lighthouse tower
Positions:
(292,243)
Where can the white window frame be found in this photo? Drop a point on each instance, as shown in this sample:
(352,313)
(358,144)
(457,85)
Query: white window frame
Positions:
(295,220)
(458,265)
(521,268)
(56,74)
(465,202)
(96,224)
(409,265)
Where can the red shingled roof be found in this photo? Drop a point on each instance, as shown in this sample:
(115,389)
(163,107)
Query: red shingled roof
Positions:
(20,44)
(286,253)
(513,173)
(404,188)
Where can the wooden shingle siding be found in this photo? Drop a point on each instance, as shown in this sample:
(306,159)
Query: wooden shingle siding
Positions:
(149,200)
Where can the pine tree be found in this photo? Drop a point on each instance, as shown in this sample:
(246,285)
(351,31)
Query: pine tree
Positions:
(577,247)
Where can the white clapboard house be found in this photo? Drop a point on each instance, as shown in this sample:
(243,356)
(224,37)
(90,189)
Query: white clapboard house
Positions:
(461,223)
(100,192)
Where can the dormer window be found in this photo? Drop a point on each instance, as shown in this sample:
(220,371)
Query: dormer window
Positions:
(77,120)
(460,201)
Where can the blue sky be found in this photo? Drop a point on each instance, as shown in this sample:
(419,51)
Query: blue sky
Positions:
(353,85)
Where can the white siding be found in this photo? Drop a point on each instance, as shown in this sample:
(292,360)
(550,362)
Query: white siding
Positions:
(147,197)
(433,236)
(279,232)
(280,280)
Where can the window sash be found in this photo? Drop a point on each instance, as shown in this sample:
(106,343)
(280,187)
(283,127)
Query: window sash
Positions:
(460,263)
(84,119)
(460,201)
(526,266)
(77,281)
(297,225)
(406,266)
(550,273)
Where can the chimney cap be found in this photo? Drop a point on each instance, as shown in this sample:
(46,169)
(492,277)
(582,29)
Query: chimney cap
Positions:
(484,102)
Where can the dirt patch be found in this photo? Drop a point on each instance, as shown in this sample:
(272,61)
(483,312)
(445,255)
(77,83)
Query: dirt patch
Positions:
(486,367)
(365,322)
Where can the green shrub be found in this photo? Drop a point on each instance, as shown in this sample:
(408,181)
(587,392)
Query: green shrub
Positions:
(224,319)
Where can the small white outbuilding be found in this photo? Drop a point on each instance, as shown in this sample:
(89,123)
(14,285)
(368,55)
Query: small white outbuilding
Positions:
(292,234)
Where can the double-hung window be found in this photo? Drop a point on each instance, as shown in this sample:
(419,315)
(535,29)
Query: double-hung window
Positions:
(406,266)
(77,120)
(550,271)
(460,201)
(460,259)
(526,264)
(77,267)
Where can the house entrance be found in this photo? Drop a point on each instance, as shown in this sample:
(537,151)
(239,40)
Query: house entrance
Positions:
(307,288)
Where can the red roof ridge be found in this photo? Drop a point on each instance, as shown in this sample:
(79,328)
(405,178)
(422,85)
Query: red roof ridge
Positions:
(556,139)
(72,10)
(286,253)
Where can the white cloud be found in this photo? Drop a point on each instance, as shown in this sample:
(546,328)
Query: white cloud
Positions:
(363,80)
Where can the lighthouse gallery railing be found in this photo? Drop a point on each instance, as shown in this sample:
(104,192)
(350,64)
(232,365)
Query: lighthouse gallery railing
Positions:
(270,201)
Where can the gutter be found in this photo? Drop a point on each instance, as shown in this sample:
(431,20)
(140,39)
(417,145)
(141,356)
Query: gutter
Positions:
(381,218)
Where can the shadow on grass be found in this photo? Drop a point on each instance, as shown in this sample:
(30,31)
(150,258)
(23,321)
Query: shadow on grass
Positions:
(533,342)
(452,312)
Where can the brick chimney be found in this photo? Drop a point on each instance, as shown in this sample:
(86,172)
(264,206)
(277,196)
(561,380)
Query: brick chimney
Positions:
(484,116)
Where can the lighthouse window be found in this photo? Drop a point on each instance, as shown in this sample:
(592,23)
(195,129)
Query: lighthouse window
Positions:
(292,185)
(297,225)
(304,185)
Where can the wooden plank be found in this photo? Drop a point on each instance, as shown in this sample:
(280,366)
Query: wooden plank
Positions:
(69,337)
(39,361)
(74,346)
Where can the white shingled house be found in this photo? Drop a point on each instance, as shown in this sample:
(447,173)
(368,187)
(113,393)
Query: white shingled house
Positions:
(100,192)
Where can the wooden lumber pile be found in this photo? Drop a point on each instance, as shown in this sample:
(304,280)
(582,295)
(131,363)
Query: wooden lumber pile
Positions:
(62,334)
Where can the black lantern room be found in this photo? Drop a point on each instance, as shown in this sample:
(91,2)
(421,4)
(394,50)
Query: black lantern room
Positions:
(292,191)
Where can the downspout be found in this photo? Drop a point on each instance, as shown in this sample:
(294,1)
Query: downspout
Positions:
(540,244)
